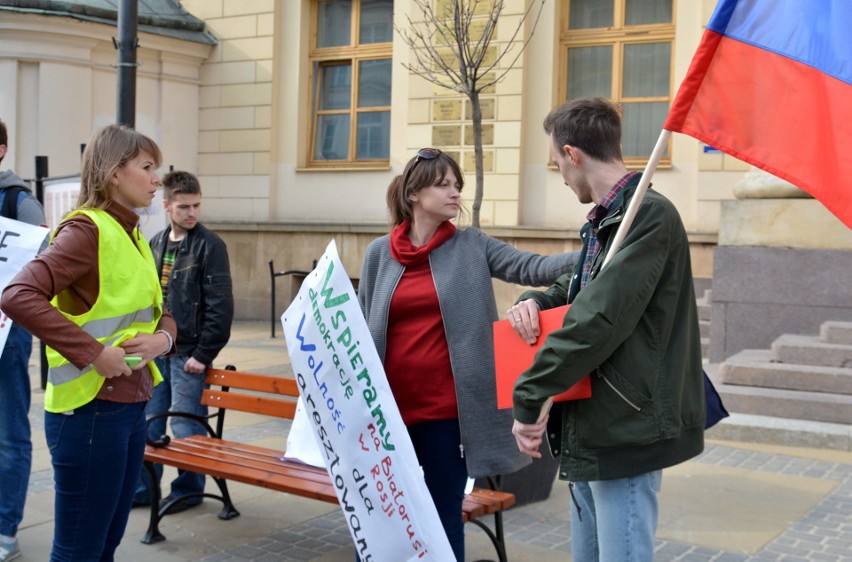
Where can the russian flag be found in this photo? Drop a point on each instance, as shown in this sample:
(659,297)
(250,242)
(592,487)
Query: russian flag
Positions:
(771,84)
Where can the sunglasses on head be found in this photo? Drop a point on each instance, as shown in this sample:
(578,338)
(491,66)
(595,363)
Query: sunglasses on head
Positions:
(422,154)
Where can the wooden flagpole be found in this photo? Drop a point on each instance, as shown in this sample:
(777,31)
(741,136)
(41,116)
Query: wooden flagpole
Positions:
(641,189)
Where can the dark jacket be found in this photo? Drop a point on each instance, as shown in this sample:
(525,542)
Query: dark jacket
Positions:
(634,327)
(199,294)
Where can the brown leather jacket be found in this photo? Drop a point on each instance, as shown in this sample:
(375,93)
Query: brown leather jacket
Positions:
(70,264)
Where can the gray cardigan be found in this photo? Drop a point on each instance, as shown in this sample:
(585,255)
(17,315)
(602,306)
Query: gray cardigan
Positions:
(462,269)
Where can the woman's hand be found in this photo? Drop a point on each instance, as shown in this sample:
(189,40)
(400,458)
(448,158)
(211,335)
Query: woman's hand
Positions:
(524,319)
(146,346)
(110,363)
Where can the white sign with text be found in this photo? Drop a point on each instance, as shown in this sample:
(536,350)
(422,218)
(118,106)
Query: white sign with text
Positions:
(356,423)
(19,243)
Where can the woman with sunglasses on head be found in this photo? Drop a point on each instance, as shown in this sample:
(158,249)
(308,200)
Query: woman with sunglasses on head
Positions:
(93,296)
(427,295)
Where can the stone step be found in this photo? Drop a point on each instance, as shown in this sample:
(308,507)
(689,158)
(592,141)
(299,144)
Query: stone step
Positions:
(705,348)
(704,312)
(810,350)
(704,327)
(791,404)
(702,285)
(757,367)
(780,431)
(836,332)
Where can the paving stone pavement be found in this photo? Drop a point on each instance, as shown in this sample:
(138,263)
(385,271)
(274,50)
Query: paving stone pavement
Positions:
(738,501)
(823,534)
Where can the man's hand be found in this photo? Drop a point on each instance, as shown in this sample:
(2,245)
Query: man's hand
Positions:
(524,319)
(194,366)
(530,436)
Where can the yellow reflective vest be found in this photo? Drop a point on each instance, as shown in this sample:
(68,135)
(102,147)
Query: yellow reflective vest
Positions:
(130,301)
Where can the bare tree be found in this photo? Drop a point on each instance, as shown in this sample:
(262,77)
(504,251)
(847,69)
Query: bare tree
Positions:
(452,47)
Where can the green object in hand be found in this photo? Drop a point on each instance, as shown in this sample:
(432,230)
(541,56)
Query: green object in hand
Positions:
(132,361)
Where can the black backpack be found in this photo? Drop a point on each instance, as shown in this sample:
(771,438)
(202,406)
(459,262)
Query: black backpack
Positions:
(10,201)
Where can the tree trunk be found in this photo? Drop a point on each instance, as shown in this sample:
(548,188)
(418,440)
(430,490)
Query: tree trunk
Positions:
(477,149)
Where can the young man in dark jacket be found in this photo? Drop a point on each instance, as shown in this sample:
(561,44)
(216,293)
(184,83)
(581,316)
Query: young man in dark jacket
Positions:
(16,202)
(196,279)
(633,327)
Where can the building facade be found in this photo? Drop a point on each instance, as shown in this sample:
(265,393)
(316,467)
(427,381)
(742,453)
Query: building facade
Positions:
(299,115)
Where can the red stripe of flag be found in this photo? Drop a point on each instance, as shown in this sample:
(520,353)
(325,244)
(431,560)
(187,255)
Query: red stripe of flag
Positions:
(780,115)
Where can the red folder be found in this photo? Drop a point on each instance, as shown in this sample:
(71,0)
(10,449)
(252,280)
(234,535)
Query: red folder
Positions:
(512,356)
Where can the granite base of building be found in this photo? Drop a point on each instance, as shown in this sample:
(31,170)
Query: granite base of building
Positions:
(760,293)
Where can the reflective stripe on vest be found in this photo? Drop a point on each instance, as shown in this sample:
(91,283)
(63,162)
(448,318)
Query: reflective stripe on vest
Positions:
(129,302)
(101,330)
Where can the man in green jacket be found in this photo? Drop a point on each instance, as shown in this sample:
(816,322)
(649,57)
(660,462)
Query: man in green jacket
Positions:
(633,328)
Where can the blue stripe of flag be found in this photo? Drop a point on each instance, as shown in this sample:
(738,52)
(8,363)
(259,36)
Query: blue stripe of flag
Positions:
(814,32)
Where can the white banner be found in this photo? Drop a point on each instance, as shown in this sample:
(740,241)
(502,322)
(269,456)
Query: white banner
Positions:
(356,423)
(19,243)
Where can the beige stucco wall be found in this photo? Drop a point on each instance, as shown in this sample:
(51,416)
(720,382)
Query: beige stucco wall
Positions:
(59,85)
(238,115)
(236,103)
(255,120)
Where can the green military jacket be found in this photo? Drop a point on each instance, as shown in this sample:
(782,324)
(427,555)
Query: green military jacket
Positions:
(634,330)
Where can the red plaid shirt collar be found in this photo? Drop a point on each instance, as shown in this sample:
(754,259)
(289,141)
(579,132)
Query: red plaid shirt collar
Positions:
(595,216)
(600,211)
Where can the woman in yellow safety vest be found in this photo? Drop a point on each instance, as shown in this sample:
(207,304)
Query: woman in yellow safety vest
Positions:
(94,298)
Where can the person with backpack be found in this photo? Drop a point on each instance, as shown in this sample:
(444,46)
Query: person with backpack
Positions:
(16,451)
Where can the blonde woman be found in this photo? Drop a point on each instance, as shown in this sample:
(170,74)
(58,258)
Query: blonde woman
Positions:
(94,298)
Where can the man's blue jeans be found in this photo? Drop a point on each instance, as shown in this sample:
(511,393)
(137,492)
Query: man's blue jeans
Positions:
(96,454)
(618,519)
(179,392)
(16,450)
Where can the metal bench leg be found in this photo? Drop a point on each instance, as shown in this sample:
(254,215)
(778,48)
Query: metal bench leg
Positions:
(496,539)
(500,545)
(228,510)
(153,535)
(272,299)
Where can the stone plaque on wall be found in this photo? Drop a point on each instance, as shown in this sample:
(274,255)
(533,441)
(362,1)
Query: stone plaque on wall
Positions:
(448,57)
(486,105)
(469,166)
(490,57)
(477,26)
(485,79)
(445,7)
(487,134)
(446,135)
(446,110)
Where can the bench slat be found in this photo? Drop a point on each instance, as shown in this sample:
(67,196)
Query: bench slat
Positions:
(492,500)
(253,381)
(249,403)
(285,478)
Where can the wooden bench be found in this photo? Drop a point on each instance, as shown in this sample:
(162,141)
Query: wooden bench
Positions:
(225,460)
